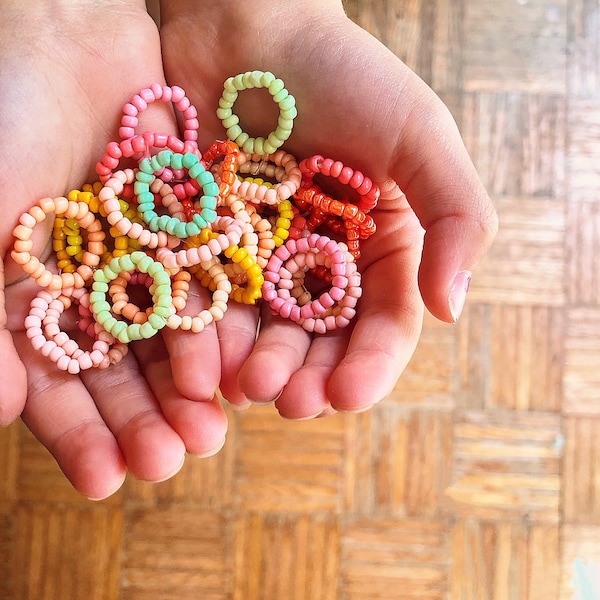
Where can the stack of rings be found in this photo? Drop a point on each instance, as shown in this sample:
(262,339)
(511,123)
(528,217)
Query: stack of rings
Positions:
(244,218)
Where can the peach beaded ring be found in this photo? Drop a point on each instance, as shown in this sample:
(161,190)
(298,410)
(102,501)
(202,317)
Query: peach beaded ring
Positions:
(244,217)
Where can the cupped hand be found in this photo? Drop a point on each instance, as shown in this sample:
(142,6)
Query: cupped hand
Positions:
(357,103)
(66,69)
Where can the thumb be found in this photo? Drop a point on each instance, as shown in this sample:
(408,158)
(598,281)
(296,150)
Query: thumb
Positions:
(444,189)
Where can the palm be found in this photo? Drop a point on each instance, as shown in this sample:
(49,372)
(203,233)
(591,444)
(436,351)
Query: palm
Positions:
(340,107)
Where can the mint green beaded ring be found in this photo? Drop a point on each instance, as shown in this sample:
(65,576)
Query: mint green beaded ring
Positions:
(162,298)
(172,225)
(287,111)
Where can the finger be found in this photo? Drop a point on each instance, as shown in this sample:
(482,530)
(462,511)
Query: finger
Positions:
(195,357)
(433,169)
(279,352)
(152,449)
(387,325)
(306,394)
(62,415)
(237,335)
(13,378)
(201,425)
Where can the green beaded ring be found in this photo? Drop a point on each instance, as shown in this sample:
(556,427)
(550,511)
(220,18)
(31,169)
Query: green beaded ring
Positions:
(208,202)
(163,297)
(287,111)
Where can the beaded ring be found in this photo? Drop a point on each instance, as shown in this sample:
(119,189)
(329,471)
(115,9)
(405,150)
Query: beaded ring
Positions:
(230,152)
(140,146)
(344,311)
(163,301)
(367,191)
(244,273)
(43,330)
(21,254)
(280,166)
(287,111)
(208,202)
(108,195)
(139,103)
(204,246)
(295,254)
(221,291)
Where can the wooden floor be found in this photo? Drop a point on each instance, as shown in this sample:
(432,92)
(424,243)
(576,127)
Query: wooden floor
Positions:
(479,477)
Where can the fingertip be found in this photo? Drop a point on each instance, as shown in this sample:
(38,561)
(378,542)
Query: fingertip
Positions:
(452,248)
(202,426)
(13,381)
(96,471)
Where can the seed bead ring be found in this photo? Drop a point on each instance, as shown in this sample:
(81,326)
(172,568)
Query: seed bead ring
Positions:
(208,202)
(278,276)
(220,297)
(44,333)
(280,166)
(163,303)
(367,191)
(21,253)
(339,315)
(108,195)
(287,111)
(140,101)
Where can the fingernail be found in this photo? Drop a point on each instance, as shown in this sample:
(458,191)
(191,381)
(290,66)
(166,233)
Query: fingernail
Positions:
(210,452)
(458,293)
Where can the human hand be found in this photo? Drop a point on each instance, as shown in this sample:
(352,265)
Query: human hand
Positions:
(361,105)
(66,68)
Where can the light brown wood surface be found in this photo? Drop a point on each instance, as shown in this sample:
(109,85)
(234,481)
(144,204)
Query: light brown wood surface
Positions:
(479,477)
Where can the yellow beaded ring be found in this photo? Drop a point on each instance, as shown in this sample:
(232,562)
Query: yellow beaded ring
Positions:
(287,111)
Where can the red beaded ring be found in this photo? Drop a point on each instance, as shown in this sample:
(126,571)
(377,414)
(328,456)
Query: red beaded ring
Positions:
(363,186)
(141,146)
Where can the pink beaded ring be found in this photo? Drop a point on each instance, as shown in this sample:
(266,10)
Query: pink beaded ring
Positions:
(21,254)
(305,253)
(108,195)
(367,191)
(203,247)
(140,101)
(341,314)
(43,330)
(141,146)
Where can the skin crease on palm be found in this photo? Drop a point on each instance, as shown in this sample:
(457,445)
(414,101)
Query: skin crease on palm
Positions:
(357,103)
